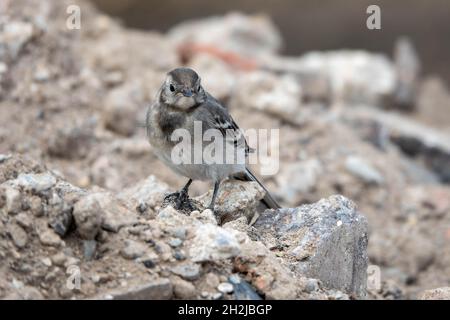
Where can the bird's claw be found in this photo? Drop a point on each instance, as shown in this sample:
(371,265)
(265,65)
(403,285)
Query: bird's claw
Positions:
(180,201)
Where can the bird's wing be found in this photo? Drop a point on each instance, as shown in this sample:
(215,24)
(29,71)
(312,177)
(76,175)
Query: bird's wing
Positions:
(217,117)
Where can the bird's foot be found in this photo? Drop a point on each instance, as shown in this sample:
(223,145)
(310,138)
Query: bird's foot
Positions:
(180,201)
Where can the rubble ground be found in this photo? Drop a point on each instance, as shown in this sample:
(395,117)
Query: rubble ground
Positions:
(363,174)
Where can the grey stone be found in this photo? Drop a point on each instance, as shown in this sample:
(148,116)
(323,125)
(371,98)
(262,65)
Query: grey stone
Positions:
(225,287)
(188,271)
(183,289)
(363,170)
(13,199)
(88,216)
(37,182)
(243,290)
(133,249)
(212,243)
(159,289)
(234,199)
(18,235)
(323,237)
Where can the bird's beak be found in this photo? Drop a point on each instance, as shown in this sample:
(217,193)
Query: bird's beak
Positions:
(187,92)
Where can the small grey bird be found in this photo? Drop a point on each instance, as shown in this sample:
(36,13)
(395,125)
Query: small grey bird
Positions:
(181,104)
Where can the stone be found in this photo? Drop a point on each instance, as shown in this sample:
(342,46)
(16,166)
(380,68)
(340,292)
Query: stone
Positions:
(234,199)
(360,168)
(133,249)
(324,237)
(121,107)
(298,178)
(407,67)
(150,191)
(36,183)
(24,220)
(18,235)
(183,289)
(72,141)
(436,294)
(158,289)
(13,199)
(188,271)
(88,215)
(277,95)
(355,76)
(225,287)
(242,290)
(247,35)
(47,236)
(416,140)
(13,37)
(212,243)
(115,214)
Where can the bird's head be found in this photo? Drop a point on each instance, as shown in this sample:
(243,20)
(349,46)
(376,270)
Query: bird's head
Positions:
(182,89)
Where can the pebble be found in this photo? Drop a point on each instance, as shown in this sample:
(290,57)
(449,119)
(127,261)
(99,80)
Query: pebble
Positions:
(133,249)
(36,182)
(225,287)
(175,242)
(18,235)
(187,271)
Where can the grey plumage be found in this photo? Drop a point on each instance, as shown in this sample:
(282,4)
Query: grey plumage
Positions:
(183,104)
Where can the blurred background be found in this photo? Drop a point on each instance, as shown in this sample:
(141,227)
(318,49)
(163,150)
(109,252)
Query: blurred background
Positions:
(314,25)
(362,113)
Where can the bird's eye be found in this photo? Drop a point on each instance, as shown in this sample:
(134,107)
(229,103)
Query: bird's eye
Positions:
(172,88)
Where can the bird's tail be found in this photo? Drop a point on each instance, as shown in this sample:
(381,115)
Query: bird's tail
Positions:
(268,200)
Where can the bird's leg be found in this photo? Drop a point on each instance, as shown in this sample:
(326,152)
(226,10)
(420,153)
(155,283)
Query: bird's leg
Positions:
(183,194)
(213,199)
(180,197)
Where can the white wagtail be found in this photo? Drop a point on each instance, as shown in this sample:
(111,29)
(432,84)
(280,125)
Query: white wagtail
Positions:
(181,102)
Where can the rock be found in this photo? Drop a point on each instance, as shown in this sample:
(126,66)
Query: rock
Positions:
(47,236)
(363,170)
(72,141)
(407,67)
(251,36)
(277,95)
(88,215)
(13,37)
(242,290)
(324,237)
(18,235)
(353,76)
(121,107)
(24,220)
(433,102)
(133,249)
(175,243)
(36,206)
(235,199)
(298,178)
(225,287)
(436,294)
(183,289)
(12,199)
(212,243)
(25,293)
(414,139)
(159,289)
(150,191)
(36,183)
(115,214)
(188,271)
